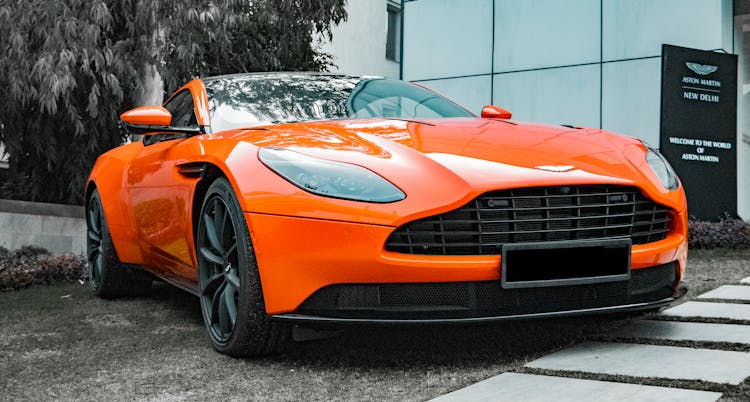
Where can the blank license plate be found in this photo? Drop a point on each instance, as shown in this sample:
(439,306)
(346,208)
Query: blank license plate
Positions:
(565,263)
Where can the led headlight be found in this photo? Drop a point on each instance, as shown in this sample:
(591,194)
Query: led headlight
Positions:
(330,178)
(661,167)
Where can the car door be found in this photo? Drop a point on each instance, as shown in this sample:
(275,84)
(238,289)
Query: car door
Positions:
(160,200)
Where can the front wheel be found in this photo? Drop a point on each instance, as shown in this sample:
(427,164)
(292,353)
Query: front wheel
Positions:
(231,297)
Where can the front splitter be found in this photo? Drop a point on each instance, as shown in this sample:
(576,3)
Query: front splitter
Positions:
(302,319)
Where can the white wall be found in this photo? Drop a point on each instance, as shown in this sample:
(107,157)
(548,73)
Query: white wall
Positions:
(545,33)
(637,28)
(358,45)
(568,95)
(631,98)
(447,38)
(559,61)
(742,39)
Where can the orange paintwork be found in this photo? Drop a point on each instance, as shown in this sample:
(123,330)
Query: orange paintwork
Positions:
(440,165)
(495,112)
(147,115)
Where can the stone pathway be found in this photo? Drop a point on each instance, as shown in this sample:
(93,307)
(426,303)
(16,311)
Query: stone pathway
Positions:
(727,311)
(529,387)
(639,360)
(686,331)
(728,292)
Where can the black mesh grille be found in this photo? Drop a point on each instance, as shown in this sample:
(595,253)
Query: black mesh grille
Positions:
(535,215)
(484,299)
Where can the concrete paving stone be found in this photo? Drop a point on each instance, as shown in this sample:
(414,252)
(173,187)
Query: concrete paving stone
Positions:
(729,311)
(635,360)
(728,292)
(529,387)
(745,281)
(686,331)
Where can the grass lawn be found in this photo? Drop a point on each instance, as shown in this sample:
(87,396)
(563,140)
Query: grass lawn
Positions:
(60,342)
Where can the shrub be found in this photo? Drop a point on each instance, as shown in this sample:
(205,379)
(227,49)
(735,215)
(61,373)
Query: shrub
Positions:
(68,68)
(30,252)
(727,233)
(30,266)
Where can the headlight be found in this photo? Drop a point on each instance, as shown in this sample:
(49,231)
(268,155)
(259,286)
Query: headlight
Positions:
(661,167)
(329,178)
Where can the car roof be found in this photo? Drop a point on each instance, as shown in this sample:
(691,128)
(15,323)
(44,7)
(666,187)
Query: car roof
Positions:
(282,74)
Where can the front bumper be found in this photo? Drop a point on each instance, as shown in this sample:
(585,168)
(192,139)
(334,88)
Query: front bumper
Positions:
(459,301)
(313,319)
(298,257)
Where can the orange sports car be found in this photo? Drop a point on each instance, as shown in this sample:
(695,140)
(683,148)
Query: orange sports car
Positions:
(300,198)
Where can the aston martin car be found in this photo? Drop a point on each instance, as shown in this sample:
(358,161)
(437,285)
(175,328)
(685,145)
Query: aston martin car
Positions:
(294,199)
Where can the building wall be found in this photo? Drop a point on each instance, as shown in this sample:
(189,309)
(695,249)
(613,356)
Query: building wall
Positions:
(358,45)
(742,48)
(591,63)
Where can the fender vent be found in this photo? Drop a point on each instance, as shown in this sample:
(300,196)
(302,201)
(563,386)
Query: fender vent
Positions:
(193,169)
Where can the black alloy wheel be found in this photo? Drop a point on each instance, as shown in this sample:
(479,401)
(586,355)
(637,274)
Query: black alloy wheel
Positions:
(219,277)
(94,247)
(229,285)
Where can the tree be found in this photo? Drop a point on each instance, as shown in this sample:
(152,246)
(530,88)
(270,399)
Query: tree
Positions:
(70,67)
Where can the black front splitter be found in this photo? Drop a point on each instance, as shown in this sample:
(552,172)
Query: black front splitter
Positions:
(302,319)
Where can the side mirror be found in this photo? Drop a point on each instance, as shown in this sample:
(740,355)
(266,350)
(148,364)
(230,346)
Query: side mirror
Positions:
(149,120)
(147,116)
(495,112)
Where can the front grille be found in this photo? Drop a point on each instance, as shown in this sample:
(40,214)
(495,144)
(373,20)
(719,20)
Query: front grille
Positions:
(486,298)
(535,215)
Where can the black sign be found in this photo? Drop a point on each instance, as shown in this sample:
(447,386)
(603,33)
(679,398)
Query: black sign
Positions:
(699,127)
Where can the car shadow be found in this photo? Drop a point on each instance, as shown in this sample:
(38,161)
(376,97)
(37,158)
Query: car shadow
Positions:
(492,343)
(386,346)
(183,305)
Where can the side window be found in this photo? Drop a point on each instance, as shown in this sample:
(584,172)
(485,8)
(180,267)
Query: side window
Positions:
(398,107)
(183,115)
(182,109)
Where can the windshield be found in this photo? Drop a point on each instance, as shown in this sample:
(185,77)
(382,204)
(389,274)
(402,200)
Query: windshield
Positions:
(257,99)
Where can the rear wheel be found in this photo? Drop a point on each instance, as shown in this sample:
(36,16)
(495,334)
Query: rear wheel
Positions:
(107,276)
(231,297)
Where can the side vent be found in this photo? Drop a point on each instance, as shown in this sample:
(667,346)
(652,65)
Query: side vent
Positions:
(193,170)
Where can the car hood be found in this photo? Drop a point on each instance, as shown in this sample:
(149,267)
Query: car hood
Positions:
(443,164)
(470,147)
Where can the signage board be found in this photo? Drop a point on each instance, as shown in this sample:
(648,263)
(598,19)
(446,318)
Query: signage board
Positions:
(699,127)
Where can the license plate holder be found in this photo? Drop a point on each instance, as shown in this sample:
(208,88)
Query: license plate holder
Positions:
(527,265)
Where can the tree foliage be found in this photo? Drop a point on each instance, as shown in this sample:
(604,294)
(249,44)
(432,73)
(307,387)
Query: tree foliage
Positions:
(70,67)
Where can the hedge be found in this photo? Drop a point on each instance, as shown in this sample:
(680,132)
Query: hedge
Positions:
(29,266)
(731,233)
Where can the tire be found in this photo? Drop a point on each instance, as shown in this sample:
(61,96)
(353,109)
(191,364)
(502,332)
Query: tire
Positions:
(108,277)
(229,285)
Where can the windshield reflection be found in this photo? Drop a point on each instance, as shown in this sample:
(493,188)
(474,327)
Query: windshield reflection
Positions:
(261,99)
